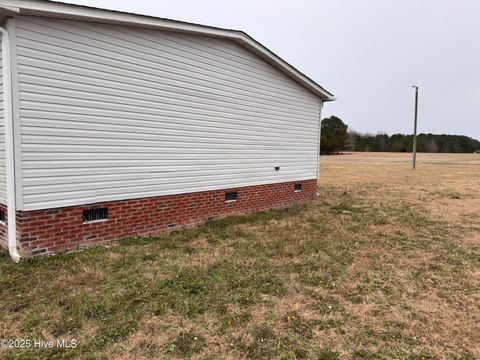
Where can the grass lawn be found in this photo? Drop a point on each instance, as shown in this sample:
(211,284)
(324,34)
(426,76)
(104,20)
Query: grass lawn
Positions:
(385,263)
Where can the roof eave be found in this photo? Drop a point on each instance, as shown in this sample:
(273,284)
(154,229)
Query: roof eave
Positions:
(85,13)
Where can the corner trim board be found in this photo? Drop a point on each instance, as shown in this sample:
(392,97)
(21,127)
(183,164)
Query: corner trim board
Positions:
(9,146)
(17,140)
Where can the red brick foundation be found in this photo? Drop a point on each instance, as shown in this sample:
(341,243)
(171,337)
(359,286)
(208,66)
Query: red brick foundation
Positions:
(58,230)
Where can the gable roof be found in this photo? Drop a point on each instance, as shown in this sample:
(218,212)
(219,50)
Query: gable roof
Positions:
(61,10)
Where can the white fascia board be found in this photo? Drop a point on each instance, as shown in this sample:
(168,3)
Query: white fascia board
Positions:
(9,10)
(79,12)
(282,65)
(72,11)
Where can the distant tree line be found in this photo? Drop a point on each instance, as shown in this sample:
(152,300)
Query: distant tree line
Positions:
(335,137)
(429,143)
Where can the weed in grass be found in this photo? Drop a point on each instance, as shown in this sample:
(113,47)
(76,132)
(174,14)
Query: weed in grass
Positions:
(326,354)
(186,344)
(185,293)
(232,320)
(462,357)
(331,324)
(343,208)
(30,322)
(297,324)
(324,304)
(263,344)
(312,279)
(364,354)
(292,347)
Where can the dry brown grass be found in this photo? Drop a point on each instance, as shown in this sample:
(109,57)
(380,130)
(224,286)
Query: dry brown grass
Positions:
(384,264)
(433,284)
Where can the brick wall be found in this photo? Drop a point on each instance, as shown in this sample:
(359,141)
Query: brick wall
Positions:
(63,229)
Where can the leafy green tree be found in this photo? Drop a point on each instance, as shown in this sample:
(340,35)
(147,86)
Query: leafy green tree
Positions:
(334,134)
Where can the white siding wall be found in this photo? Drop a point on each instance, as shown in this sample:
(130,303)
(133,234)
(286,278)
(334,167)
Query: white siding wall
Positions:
(3,185)
(110,113)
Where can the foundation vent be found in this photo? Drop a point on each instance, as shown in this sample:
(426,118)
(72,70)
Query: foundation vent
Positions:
(231,196)
(95,214)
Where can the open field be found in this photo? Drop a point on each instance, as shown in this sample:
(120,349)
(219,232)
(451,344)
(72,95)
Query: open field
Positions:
(384,264)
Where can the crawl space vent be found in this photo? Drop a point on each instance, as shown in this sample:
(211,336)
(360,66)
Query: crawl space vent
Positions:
(95,214)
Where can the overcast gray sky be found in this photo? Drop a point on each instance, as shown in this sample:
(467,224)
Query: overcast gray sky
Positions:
(367,52)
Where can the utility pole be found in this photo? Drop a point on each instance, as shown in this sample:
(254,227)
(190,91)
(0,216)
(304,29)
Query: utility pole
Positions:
(415,128)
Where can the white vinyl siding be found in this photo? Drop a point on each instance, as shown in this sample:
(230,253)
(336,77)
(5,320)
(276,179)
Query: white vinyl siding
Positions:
(3,184)
(111,113)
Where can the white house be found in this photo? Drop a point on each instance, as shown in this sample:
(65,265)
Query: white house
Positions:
(116,124)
